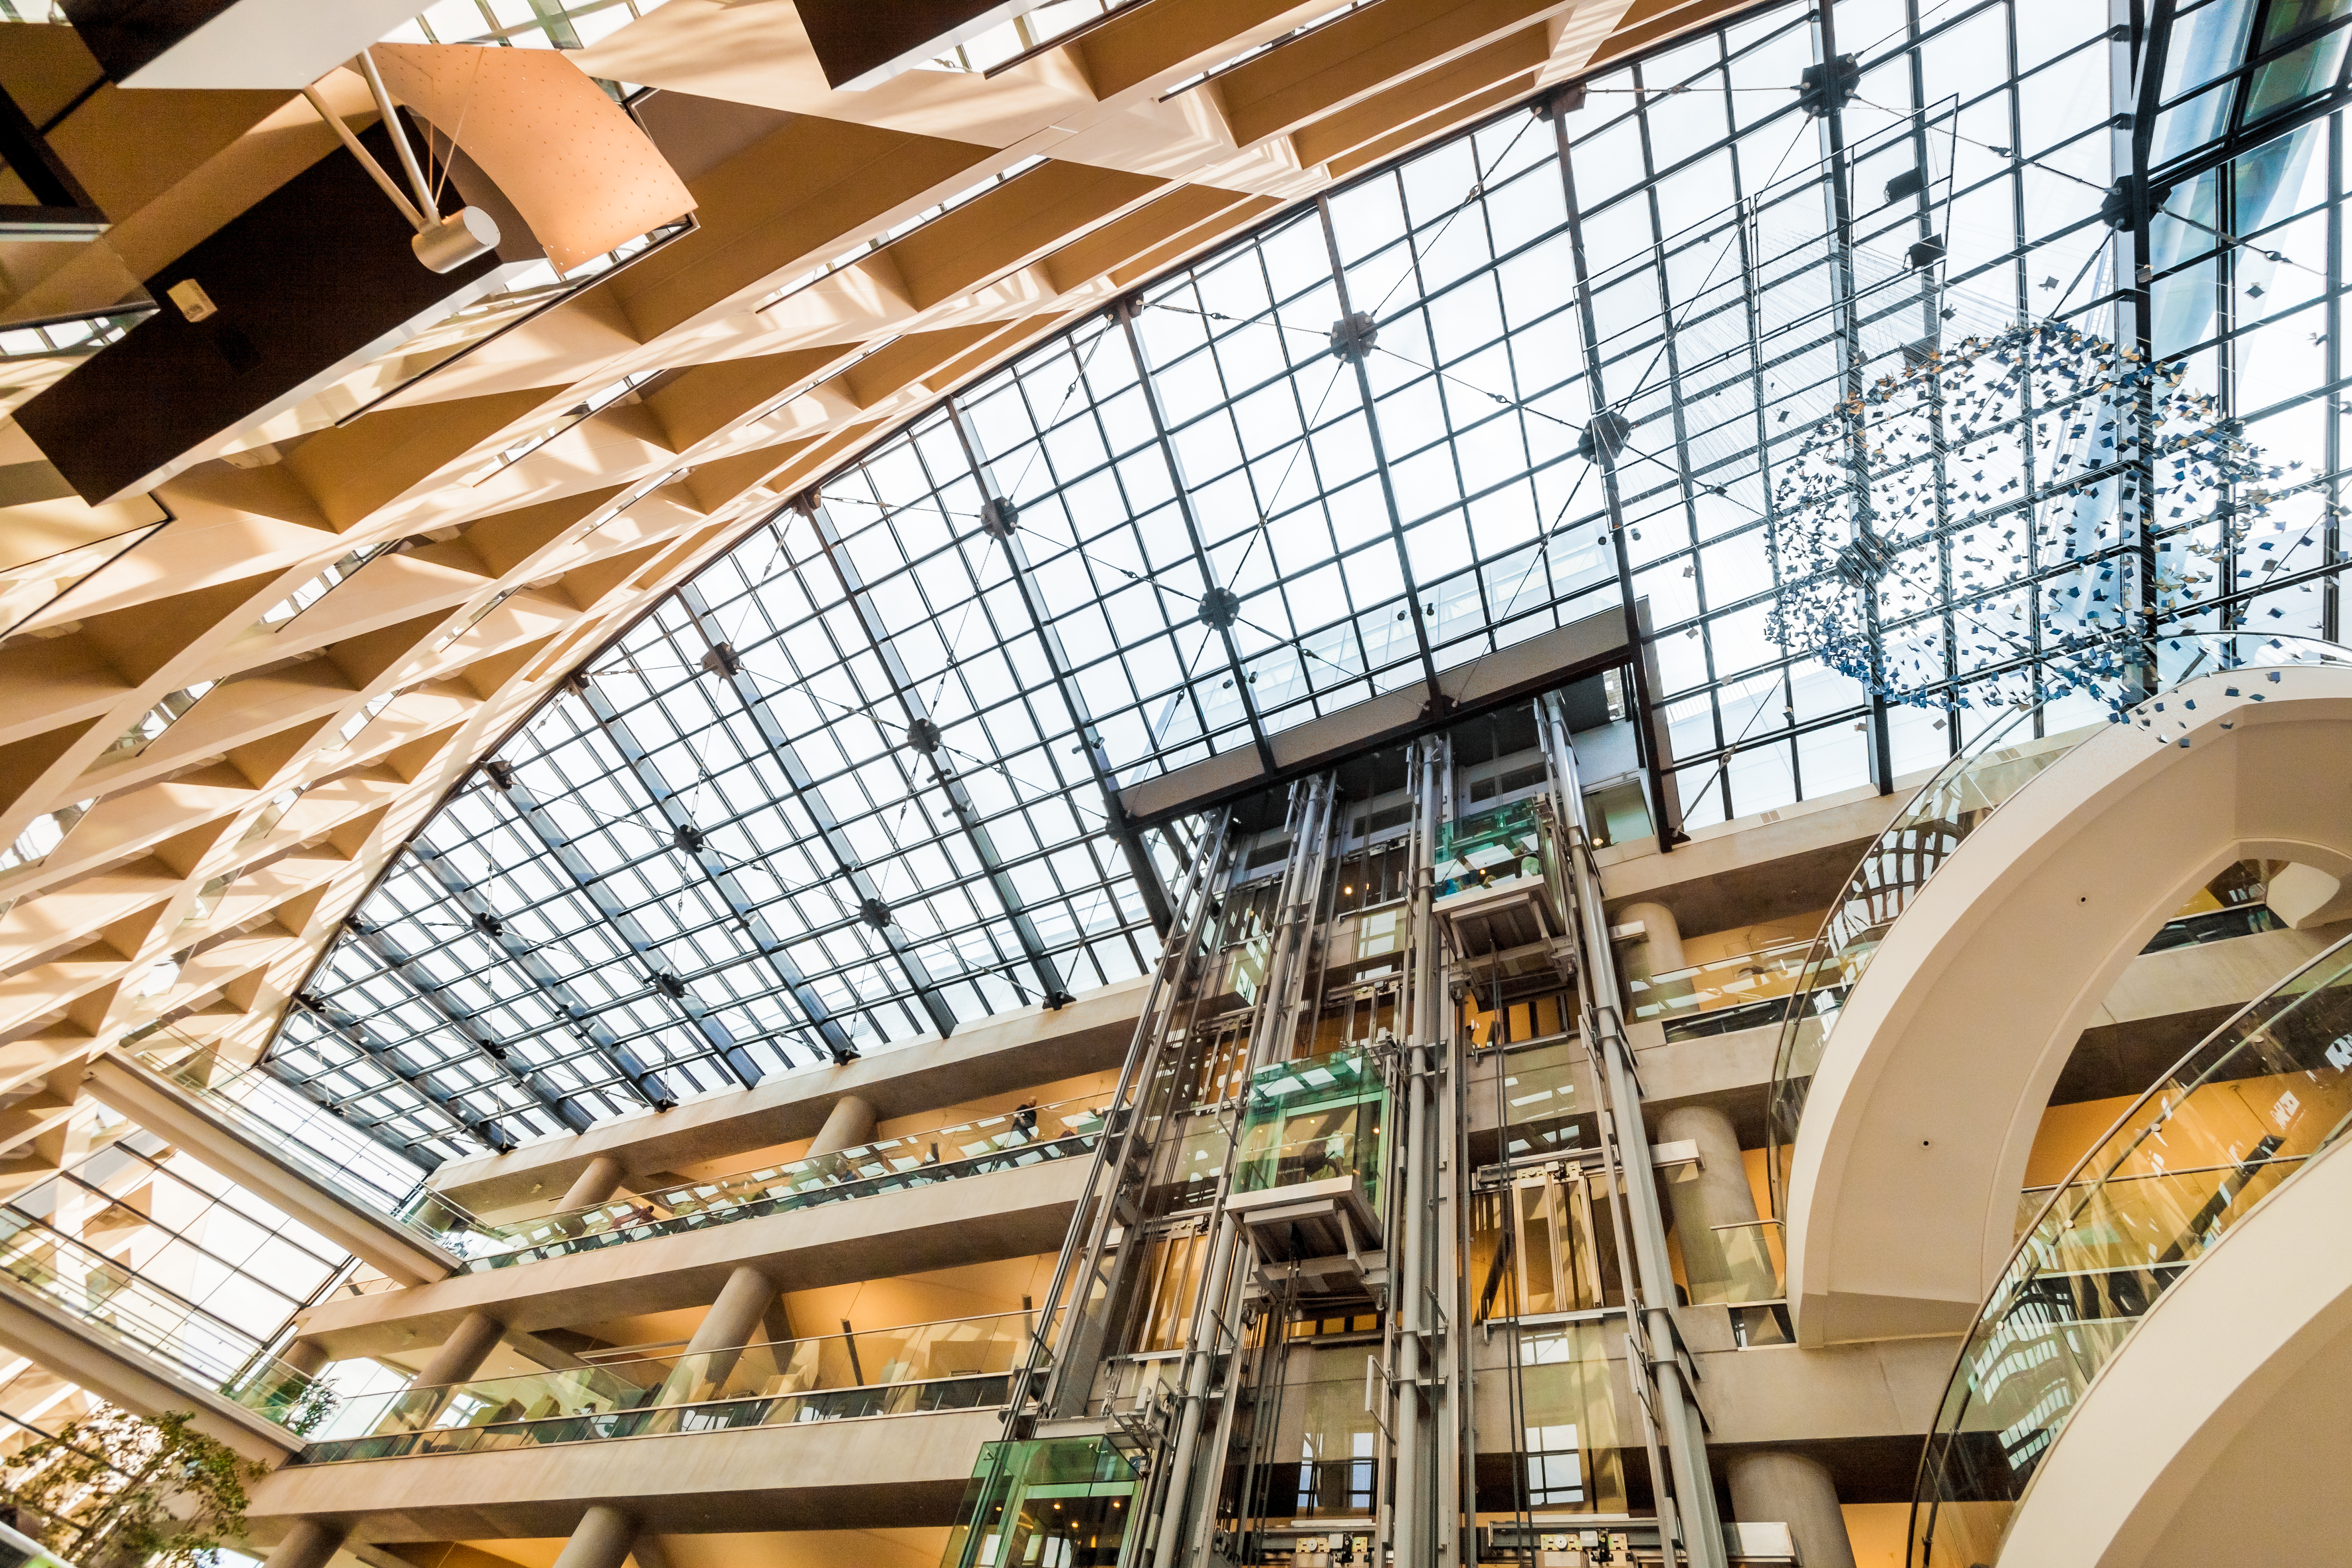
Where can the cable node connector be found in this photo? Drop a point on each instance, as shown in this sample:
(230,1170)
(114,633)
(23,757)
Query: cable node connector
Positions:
(1825,88)
(1354,335)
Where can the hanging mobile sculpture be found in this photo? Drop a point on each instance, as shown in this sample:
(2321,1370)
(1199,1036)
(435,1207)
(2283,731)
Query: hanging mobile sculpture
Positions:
(1994,508)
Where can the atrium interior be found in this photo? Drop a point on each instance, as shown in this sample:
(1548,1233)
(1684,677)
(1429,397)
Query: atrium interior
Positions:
(1168,784)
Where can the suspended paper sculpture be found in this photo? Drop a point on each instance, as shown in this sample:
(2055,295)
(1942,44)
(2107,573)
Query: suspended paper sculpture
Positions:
(2010,519)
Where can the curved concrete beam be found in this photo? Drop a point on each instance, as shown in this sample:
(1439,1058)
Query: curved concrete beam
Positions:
(1904,1188)
(2218,1432)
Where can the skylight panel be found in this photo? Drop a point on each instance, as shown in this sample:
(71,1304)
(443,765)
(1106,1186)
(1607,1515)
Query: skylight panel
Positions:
(1449,509)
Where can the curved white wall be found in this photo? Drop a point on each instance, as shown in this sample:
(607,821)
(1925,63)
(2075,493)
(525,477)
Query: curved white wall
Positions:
(2221,1433)
(1904,1186)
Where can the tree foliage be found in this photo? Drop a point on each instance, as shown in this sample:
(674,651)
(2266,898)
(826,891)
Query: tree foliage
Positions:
(119,1490)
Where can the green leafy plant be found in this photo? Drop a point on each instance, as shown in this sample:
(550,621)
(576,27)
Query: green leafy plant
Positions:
(119,1490)
(309,1408)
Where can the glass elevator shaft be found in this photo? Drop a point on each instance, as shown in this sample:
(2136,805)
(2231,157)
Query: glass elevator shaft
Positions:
(1365,1272)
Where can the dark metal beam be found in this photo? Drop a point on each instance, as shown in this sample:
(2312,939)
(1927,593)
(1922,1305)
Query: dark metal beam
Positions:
(412,977)
(1120,826)
(1649,729)
(1852,357)
(482,1128)
(1199,542)
(599,892)
(918,714)
(1356,360)
(521,953)
(805,789)
(373,1128)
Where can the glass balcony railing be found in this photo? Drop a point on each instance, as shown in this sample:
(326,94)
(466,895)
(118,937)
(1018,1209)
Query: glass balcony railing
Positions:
(2001,760)
(298,1129)
(1746,1265)
(1742,992)
(119,1304)
(2234,1119)
(960,1364)
(1000,1142)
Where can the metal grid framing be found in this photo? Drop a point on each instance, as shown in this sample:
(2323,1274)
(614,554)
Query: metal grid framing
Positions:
(2241,127)
(859,781)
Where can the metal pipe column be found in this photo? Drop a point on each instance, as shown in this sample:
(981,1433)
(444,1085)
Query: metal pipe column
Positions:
(1605,1036)
(1212,1312)
(1413,1523)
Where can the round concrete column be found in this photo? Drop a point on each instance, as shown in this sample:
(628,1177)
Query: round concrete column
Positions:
(1660,935)
(461,1356)
(849,1123)
(601,1540)
(1714,1261)
(734,1321)
(600,1180)
(305,1357)
(308,1544)
(1791,1490)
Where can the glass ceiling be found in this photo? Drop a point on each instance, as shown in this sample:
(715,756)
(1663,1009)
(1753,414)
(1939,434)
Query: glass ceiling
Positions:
(859,781)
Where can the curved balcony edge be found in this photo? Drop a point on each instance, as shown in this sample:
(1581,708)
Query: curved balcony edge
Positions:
(2217,1429)
(1902,1192)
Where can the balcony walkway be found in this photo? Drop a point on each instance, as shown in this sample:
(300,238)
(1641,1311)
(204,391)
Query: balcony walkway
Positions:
(1009,1213)
(1002,1054)
(855,1474)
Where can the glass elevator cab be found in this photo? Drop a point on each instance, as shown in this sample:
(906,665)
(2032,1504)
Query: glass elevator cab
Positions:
(1308,1164)
(1064,1503)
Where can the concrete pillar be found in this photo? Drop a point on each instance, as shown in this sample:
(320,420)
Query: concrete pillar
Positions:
(1719,1265)
(776,1323)
(306,1356)
(462,1356)
(1660,935)
(849,1123)
(459,1358)
(1791,1490)
(599,1182)
(601,1540)
(308,1544)
(733,1321)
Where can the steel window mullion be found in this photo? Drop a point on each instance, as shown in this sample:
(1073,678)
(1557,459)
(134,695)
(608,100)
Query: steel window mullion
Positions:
(485,1129)
(1847,308)
(812,800)
(1198,541)
(1681,482)
(648,778)
(1116,820)
(373,1126)
(625,1064)
(1650,733)
(1436,701)
(402,968)
(599,893)
(2332,405)
(910,701)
